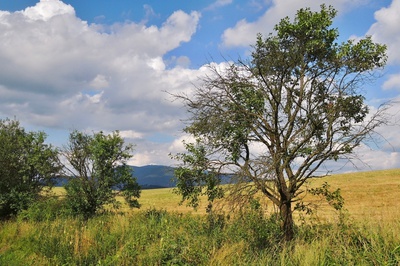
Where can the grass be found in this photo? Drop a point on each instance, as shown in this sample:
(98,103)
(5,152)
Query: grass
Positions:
(164,233)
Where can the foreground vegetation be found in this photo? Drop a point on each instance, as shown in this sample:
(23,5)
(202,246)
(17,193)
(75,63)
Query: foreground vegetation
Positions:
(156,237)
(164,233)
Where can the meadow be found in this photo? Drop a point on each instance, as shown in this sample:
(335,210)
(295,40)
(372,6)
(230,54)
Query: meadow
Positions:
(163,232)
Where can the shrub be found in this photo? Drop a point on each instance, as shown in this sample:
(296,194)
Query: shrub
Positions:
(46,209)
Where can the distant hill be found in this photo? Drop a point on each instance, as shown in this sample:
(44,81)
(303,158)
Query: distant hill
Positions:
(154,176)
(149,176)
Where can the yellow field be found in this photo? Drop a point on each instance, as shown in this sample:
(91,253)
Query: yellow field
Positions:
(372,196)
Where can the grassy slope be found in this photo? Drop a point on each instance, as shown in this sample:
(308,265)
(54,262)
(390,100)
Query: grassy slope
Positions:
(371,194)
(368,195)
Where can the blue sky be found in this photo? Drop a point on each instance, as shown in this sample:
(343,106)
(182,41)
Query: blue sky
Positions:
(105,65)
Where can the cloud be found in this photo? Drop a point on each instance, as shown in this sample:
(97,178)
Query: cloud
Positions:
(148,152)
(218,4)
(374,159)
(99,82)
(130,134)
(46,9)
(245,32)
(393,82)
(382,150)
(390,141)
(56,70)
(385,30)
(149,12)
(178,144)
(59,72)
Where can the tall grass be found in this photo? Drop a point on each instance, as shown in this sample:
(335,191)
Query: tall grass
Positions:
(47,235)
(150,237)
(158,237)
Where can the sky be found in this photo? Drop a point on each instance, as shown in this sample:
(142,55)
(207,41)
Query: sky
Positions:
(111,65)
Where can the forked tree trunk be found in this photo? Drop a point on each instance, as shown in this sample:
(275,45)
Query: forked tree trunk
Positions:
(287,225)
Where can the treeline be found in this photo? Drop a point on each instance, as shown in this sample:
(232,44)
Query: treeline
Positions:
(94,164)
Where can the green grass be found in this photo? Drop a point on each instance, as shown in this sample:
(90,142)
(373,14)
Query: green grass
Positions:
(164,233)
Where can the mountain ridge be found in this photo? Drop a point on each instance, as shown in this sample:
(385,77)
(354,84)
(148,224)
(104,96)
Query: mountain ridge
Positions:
(154,176)
(147,176)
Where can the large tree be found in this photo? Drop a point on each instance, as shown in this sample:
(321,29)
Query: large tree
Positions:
(27,166)
(273,121)
(97,170)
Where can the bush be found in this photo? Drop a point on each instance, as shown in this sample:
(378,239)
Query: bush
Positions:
(46,209)
(255,228)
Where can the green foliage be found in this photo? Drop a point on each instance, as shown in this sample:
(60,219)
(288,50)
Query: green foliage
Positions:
(197,177)
(99,173)
(27,165)
(334,198)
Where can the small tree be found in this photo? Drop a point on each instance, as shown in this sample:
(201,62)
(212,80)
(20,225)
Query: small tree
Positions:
(272,122)
(198,179)
(27,166)
(98,172)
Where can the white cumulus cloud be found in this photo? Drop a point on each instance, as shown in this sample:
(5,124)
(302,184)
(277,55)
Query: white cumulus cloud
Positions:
(57,71)
(46,9)
(244,32)
(385,29)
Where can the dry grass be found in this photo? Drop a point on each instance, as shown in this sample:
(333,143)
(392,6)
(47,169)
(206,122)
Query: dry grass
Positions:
(368,195)
(162,238)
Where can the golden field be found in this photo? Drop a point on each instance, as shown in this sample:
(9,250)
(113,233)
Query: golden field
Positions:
(371,195)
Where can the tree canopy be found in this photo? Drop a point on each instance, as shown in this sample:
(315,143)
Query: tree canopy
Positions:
(274,120)
(27,166)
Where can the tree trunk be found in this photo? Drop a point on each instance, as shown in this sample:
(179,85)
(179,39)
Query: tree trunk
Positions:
(287,220)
